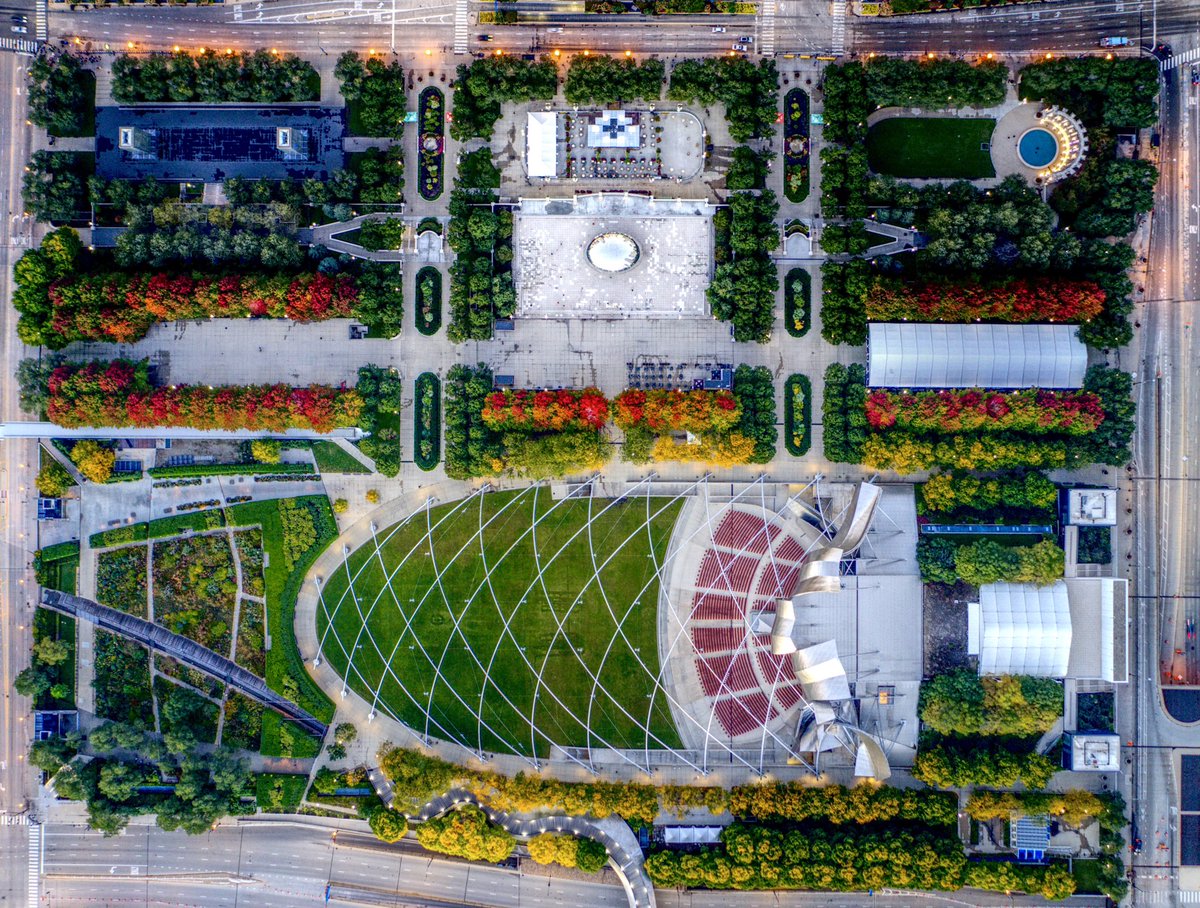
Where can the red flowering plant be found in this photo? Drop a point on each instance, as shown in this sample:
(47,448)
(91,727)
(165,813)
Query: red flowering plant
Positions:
(1020,300)
(545,411)
(677,411)
(1033,411)
(120,394)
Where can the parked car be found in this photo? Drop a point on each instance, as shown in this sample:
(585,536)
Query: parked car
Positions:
(1195,76)
(740,48)
(1115,42)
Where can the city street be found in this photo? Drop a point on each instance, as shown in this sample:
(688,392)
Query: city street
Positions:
(284,864)
(17,512)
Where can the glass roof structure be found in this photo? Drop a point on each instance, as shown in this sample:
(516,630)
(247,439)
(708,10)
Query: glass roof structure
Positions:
(906,355)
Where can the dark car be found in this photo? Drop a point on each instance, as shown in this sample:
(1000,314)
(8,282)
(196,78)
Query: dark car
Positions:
(1195,75)
(485,37)
(20,20)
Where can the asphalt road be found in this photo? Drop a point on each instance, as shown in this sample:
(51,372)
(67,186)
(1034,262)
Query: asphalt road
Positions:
(17,524)
(1033,27)
(285,865)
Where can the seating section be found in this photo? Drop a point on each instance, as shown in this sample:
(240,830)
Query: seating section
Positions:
(732,573)
(715,607)
(718,639)
(747,686)
(745,532)
(729,674)
(744,714)
(789,550)
(777,580)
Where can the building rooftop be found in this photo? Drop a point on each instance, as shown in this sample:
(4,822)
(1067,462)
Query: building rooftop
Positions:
(212,143)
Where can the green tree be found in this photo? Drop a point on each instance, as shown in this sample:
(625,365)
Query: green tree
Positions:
(53,480)
(265,450)
(93,460)
(33,681)
(387,824)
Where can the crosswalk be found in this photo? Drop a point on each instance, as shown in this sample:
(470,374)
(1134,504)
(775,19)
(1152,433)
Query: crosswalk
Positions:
(34,878)
(1188,56)
(766,37)
(20,45)
(41,19)
(1160,896)
(461,15)
(839,27)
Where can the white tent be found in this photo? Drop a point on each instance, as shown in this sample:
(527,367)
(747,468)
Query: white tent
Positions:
(1021,629)
(907,355)
(541,143)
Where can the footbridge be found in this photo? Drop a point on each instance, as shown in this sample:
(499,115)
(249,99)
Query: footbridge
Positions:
(189,652)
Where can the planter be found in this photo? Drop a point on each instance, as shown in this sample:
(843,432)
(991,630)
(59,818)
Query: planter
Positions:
(429,300)
(795,144)
(797,414)
(431,115)
(797,302)
(427,424)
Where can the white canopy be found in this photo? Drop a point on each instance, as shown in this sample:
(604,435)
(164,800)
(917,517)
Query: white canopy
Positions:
(541,141)
(906,355)
(1021,629)
(691,835)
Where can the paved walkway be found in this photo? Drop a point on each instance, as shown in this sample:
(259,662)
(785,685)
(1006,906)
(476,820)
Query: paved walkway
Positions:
(326,235)
(624,853)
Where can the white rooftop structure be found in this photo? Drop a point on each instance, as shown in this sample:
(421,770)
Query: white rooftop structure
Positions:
(1094,752)
(1021,629)
(1092,507)
(908,355)
(614,129)
(1073,628)
(692,835)
(541,144)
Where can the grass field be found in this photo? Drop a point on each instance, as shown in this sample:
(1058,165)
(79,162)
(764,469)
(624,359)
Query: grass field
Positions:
(468,651)
(931,148)
(331,458)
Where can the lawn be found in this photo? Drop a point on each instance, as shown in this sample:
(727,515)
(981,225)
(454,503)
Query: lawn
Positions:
(332,459)
(931,147)
(474,644)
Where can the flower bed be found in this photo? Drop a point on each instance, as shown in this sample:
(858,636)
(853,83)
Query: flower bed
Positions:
(1034,411)
(1020,300)
(797,414)
(431,114)
(119,394)
(427,427)
(82,304)
(677,411)
(429,300)
(797,302)
(545,411)
(795,145)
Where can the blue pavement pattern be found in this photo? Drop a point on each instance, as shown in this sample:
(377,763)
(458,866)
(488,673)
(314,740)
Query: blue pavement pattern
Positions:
(210,144)
(624,852)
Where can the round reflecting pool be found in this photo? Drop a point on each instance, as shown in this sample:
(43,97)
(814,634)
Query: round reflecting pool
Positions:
(1037,148)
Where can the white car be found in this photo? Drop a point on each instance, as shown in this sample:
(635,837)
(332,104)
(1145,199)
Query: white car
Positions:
(741,48)
(20,30)
(718,29)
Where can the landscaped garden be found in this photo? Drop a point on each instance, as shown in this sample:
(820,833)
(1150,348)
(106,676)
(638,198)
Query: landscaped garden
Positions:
(797,414)
(381,391)
(431,114)
(428,657)
(427,422)
(795,145)
(429,300)
(932,147)
(195,589)
(797,302)
(374,93)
